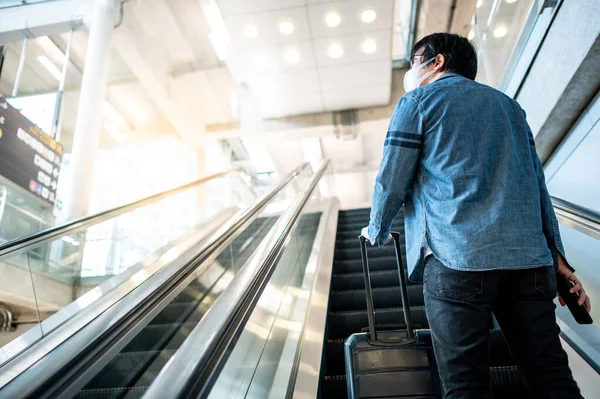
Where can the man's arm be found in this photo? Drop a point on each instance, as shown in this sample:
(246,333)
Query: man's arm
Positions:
(552,232)
(549,221)
(401,153)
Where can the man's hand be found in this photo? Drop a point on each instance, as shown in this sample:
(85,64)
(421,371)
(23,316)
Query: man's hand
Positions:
(365,233)
(565,271)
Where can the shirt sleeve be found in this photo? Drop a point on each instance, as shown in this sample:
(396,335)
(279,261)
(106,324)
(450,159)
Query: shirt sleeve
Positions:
(401,152)
(549,221)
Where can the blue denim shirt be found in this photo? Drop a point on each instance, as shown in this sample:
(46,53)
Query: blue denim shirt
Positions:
(461,158)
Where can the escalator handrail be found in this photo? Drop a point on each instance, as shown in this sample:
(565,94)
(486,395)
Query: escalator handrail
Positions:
(20,244)
(591,218)
(194,367)
(37,355)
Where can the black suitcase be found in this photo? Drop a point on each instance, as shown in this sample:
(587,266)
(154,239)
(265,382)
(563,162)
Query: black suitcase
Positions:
(390,364)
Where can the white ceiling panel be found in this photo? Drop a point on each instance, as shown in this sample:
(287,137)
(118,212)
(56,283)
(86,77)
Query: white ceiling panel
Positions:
(238,7)
(356,98)
(267,28)
(350,17)
(288,84)
(268,60)
(298,73)
(377,73)
(290,105)
(352,48)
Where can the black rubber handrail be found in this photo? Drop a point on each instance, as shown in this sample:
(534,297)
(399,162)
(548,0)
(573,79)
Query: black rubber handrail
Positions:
(15,246)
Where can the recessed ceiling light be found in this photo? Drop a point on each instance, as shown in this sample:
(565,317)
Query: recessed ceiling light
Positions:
(292,56)
(511,1)
(479,3)
(333,19)
(368,46)
(286,28)
(335,50)
(368,16)
(500,31)
(250,31)
(471,34)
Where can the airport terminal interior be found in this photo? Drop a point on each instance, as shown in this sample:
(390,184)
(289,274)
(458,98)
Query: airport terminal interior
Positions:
(183,184)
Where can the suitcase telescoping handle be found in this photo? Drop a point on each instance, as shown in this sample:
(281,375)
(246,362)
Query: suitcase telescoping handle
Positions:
(403,287)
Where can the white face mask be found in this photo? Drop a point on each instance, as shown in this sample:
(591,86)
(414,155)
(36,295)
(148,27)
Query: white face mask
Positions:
(412,80)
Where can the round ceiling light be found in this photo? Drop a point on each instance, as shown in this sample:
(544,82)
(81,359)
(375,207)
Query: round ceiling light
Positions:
(291,56)
(479,3)
(471,34)
(511,1)
(286,28)
(500,31)
(368,46)
(335,50)
(333,19)
(368,16)
(250,31)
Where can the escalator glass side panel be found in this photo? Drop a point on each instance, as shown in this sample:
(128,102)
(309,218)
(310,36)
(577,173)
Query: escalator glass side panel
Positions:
(53,281)
(133,369)
(583,253)
(261,363)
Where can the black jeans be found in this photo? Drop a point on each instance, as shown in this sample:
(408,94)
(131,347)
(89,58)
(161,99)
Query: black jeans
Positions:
(459,307)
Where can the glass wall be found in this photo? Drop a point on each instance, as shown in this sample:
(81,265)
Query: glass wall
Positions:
(38,287)
(573,174)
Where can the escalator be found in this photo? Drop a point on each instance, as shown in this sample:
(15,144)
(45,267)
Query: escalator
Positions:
(348,311)
(132,370)
(260,309)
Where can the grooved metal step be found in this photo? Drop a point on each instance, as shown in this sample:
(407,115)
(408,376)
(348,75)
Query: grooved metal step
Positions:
(351,281)
(344,323)
(384,297)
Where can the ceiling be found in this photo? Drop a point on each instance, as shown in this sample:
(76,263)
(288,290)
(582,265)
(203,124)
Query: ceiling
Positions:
(312,81)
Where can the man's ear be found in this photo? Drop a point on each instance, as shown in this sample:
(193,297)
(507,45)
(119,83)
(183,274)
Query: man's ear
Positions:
(439,63)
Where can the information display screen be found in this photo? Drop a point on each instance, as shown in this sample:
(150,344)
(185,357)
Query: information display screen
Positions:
(28,157)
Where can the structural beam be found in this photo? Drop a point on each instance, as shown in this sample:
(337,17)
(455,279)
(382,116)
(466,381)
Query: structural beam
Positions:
(42,19)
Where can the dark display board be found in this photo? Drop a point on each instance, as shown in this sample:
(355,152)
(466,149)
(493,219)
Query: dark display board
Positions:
(28,157)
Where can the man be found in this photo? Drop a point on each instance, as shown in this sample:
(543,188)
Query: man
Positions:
(480,227)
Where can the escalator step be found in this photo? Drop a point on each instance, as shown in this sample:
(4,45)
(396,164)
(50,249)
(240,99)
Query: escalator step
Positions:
(334,352)
(112,393)
(160,336)
(373,253)
(375,264)
(508,383)
(385,297)
(344,323)
(499,351)
(382,278)
(125,369)
(334,387)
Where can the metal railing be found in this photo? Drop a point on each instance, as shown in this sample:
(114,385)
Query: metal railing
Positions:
(582,219)
(34,372)
(14,247)
(195,366)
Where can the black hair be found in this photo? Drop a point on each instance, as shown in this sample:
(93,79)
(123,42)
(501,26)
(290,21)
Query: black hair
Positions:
(458,51)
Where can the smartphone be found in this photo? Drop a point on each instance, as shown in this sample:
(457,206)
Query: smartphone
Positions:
(580,313)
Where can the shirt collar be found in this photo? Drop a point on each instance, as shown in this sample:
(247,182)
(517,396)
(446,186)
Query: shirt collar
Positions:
(448,75)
